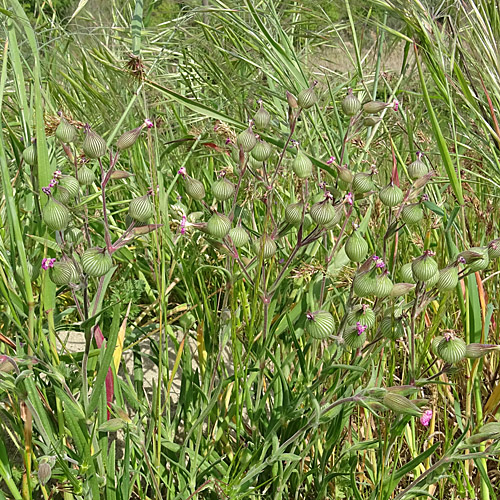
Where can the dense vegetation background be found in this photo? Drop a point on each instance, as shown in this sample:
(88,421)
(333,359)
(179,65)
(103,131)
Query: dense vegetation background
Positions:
(217,394)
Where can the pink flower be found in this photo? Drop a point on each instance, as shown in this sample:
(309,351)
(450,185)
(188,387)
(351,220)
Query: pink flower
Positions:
(349,199)
(46,190)
(380,264)
(182,171)
(395,104)
(330,160)
(53,183)
(57,174)
(183,225)
(425,419)
(46,263)
(361,328)
(148,123)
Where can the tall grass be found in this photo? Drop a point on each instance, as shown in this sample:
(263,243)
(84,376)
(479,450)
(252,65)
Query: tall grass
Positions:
(263,409)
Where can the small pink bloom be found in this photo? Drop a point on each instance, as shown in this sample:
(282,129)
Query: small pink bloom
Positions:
(182,171)
(46,263)
(57,174)
(148,123)
(46,190)
(53,183)
(349,199)
(425,419)
(361,328)
(183,225)
(380,264)
(330,160)
(395,104)
(228,141)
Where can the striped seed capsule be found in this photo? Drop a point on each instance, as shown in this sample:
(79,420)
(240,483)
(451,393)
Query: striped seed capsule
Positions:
(494,249)
(448,279)
(363,314)
(353,337)
(194,188)
(363,183)
(417,169)
(141,209)
(218,226)
(345,175)
(223,189)
(86,176)
(55,215)
(391,328)
(307,97)
(65,131)
(350,104)
(29,155)
(63,273)
(96,262)
(238,236)
(372,107)
(371,121)
(356,247)
(262,118)
(383,286)
(406,273)
(70,184)
(302,165)
(320,324)
(268,246)
(128,138)
(293,213)
(452,350)
(401,404)
(424,268)
(262,151)
(391,195)
(336,219)
(477,258)
(94,146)
(364,284)
(322,212)
(246,140)
(412,214)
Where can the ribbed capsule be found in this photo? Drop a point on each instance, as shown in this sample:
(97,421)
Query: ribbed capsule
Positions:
(268,246)
(194,188)
(363,183)
(372,107)
(63,273)
(246,140)
(476,351)
(302,165)
(417,169)
(262,151)
(127,139)
(73,236)
(238,236)
(412,214)
(401,289)
(262,118)
(356,247)
(401,404)
(424,268)
(94,146)
(391,195)
(86,176)
(320,324)
(218,226)
(452,350)
(406,273)
(336,219)
(363,314)
(55,215)
(345,175)
(383,286)
(350,104)
(223,189)
(371,121)
(96,262)
(70,184)
(307,97)
(391,328)
(141,209)
(322,212)
(477,258)
(29,155)
(65,131)
(293,213)
(494,249)
(364,285)
(353,338)
(448,279)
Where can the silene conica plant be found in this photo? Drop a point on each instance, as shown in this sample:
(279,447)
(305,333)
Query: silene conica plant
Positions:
(287,227)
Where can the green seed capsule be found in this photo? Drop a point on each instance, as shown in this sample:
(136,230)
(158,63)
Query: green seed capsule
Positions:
(86,176)
(246,140)
(218,226)
(356,247)
(44,473)
(476,351)
(262,151)
(268,246)
(66,132)
(128,139)
(302,165)
(412,214)
(70,184)
(96,262)
(371,121)
(451,351)
(307,97)
(406,273)
(293,213)
(363,314)
(141,209)
(262,118)
(336,219)
(477,258)
(29,155)
(373,107)
(55,215)
(63,273)
(322,213)
(448,279)
(401,289)
(223,189)
(424,268)
(238,236)
(194,188)
(352,338)
(391,195)
(383,286)
(363,183)
(61,194)
(350,104)
(494,249)
(320,324)
(73,236)
(391,328)
(401,404)
(432,281)
(435,343)
(94,146)
(364,285)
(417,169)
(345,175)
